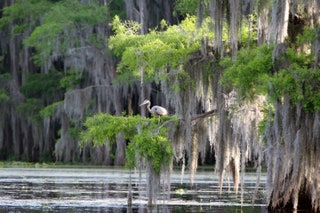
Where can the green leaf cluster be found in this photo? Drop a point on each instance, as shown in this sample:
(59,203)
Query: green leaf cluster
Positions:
(41,89)
(300,80)
(41,85)
(154,51)
(309,34)
(71,79)
(253,73)
(248,32)
(183,7)
(44,88)
(147,139)
(301,84)
(61,23)
(102,127)
(4,97)
(250,72)
(31,107)
(50,109)
(24,15)
(117,7)
(155,148)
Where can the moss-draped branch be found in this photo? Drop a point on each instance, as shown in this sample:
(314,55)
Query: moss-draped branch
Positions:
(146,138)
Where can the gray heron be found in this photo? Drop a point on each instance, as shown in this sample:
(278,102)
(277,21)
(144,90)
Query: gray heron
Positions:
(155,110)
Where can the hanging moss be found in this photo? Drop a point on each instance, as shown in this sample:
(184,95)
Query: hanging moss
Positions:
(72,35)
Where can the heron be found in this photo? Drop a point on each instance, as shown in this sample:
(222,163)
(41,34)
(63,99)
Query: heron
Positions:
(155,110)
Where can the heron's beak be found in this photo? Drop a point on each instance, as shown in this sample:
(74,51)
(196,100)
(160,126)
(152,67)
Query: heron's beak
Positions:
(141,104)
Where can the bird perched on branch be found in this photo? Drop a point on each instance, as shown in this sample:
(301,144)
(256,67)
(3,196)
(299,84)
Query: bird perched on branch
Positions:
(155,110)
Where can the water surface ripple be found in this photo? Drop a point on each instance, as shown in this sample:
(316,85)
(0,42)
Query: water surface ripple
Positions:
(106,190)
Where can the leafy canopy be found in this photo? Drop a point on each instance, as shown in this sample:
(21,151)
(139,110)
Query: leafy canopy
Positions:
(25,14)
(250,72)
(253,73)
(183,7)
(62,23)
(39,85)
(155,51)
(301,84)
(146,138)
(4,97)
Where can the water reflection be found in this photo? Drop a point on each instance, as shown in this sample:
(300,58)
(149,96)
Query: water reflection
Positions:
(106,190)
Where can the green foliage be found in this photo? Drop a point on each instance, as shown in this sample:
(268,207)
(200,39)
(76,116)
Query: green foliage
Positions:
(250,72)
(184,80)
(117,7)
(102,127)
(31,108)
(300,59)
(40,89)
(155,148)
(49,110)
(248,34)
(154,51)
(75,128)
(4,97)
(61,22)
(268,118)
(147,139)
(39,85)
(301,83)
(184,7)
(125,28)
(25,14)
(70,80)
(309,34)
(4,93)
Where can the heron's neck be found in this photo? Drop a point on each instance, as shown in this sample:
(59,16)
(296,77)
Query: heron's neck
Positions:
(148,107)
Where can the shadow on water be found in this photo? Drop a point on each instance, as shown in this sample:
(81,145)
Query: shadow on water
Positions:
(106,190)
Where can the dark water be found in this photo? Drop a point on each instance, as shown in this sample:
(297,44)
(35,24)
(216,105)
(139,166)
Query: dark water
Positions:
(106,190)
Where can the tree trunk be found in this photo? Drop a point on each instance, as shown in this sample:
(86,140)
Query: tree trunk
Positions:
(293,158)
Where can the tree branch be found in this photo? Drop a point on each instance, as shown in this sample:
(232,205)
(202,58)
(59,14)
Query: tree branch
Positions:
(206,114)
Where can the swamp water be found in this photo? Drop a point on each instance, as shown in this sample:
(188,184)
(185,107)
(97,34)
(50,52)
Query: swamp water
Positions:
(106,190)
